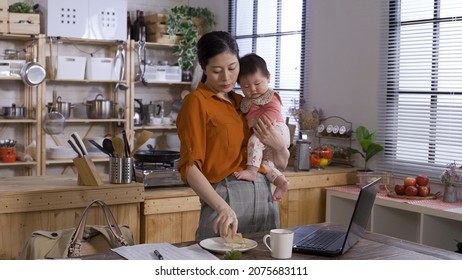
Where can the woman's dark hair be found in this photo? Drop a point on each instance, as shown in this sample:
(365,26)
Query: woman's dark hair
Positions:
(250,64)
(212,44)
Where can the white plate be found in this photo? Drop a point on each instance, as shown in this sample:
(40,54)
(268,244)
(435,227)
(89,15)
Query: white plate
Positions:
(217,245)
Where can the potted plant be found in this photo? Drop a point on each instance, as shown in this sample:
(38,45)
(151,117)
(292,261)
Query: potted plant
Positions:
(368,147)
(188,22)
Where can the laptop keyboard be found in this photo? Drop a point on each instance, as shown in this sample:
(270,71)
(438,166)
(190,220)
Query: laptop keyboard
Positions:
(320,239)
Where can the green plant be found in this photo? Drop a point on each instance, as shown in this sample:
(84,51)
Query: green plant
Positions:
(366,141)
(232,255)
(183,21)
(21,7)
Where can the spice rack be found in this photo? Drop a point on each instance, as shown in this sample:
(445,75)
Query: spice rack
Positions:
(336,132)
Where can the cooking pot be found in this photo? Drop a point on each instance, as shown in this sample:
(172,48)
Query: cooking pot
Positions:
(60,106)
(99,108)
(14,112)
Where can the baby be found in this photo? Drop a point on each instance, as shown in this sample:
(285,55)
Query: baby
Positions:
(260,100)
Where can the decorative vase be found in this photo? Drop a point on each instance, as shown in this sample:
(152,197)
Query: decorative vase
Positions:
(450,194)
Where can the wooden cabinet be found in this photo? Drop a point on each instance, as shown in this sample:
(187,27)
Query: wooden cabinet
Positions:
(305,201)
(51,203)
(14,91)
(432,223)
(169,215)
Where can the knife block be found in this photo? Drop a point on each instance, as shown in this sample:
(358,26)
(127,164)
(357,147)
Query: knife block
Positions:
(86,172)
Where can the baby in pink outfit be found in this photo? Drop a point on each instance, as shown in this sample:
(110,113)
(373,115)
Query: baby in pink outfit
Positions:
(260,100)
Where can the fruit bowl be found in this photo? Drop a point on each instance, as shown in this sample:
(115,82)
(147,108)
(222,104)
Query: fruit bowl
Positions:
(321,157)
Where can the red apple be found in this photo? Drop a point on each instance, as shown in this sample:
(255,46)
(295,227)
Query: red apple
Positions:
(410,181)
(399,189)
(421,180)
(411,191)
(423,190)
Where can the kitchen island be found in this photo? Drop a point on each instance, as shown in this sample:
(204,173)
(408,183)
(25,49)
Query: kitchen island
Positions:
(50,203)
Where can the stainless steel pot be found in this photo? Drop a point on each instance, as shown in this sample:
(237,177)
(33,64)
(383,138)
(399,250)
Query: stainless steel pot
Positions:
(60,106)
(100,108)
(14,112)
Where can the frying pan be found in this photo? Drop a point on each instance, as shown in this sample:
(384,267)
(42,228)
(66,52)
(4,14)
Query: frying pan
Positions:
(33,73)
(157,156)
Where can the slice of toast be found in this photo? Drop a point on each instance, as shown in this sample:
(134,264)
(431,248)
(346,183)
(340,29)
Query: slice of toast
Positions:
(237,242)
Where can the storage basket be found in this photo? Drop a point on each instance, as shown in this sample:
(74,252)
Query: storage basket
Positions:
(100,68)
(11,68)
(162,73)
(24,23)
(71,68)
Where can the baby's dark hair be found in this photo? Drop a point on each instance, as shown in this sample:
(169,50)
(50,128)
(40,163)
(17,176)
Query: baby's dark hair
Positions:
(250,64)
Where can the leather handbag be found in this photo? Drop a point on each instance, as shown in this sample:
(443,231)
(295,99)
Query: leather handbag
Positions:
(82,240)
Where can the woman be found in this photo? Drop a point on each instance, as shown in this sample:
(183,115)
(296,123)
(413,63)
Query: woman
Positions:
(213,134)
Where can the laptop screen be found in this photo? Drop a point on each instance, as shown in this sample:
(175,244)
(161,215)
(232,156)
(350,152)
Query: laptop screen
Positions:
(361,214)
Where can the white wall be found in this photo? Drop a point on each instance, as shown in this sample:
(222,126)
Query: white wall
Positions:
(345,59)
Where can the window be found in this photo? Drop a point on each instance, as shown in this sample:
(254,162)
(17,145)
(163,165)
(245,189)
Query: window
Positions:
(275,30)
(421,112)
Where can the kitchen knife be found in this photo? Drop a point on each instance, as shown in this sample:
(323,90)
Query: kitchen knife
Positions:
(74,147)
(79,143)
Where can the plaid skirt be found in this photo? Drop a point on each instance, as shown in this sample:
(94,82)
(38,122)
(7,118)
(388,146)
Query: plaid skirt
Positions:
(251,201)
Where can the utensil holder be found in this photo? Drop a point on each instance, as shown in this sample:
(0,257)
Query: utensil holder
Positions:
(121,170)
(86,172)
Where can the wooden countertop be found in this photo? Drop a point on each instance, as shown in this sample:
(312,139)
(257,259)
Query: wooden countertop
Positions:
(372,246)
(36,193)
(330,176)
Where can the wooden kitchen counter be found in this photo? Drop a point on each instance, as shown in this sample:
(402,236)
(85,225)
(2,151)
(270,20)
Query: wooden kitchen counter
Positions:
(50,203)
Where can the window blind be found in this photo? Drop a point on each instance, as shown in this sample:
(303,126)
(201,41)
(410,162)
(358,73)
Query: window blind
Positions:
(420,117)
(275,30)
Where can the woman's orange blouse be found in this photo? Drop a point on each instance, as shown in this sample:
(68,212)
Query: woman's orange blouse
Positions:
(213,134)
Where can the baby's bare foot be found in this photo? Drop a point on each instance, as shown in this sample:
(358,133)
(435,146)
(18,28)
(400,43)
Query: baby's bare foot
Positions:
(281,189)
(246,175)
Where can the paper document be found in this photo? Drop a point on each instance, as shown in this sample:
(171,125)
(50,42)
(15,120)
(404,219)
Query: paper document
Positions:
(167,250)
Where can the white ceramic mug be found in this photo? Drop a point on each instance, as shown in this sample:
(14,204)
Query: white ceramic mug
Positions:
(281,241)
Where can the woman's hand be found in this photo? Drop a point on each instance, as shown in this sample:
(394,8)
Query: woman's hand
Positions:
(225,214)
(226,219)
(268,135)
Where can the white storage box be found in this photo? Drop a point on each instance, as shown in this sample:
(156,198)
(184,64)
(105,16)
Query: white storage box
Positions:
(71,68)
(100,68)
(162,73)
(101,19)
(11,68)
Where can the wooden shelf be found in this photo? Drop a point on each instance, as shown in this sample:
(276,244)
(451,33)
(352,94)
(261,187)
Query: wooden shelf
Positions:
(93,120)
(80,41)
(18,163)
(156,127)
(18,121)
(164,83)
(81,81)
(69,161)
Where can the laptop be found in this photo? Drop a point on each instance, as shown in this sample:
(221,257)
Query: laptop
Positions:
(331,240)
